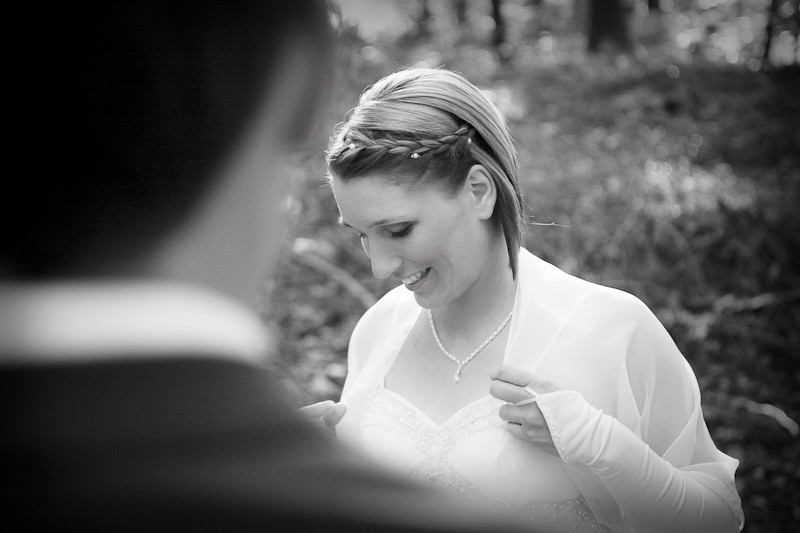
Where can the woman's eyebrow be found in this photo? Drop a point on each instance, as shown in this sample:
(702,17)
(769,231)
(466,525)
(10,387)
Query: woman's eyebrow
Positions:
(381,222)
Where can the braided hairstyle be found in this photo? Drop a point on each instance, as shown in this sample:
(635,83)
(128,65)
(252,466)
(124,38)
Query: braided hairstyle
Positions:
(429,127)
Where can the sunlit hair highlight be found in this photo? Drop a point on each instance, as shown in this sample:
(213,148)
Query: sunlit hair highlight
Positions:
(429,127)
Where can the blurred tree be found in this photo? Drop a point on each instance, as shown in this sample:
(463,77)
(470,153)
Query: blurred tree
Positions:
(608,26)
(461,12)
(499,38)
(771,15)
(423,20)
(781,15)
(499,34)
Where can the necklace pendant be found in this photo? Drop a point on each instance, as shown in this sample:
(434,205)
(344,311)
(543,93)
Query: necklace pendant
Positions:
(457,376)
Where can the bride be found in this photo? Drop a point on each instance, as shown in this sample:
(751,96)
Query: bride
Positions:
(489,372)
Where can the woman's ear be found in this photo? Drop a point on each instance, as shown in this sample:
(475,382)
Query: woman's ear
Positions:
(482,191)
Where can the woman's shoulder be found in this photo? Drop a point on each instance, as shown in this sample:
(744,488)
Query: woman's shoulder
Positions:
(565,293)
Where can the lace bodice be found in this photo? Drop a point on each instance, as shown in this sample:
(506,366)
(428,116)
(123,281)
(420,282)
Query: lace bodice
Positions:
(453,456)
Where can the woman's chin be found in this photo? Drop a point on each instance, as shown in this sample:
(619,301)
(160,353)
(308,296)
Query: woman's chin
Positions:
(423,300)
(428,300)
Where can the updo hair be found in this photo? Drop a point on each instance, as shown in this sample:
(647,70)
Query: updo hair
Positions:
(428,127)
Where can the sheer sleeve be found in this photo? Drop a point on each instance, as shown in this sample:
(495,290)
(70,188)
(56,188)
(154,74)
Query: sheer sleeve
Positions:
(660,465)
(653,494)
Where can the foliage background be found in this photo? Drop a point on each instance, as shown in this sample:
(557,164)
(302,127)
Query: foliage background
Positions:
(672,172)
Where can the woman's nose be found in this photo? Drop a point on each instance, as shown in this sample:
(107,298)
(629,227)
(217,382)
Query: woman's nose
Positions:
(384,261)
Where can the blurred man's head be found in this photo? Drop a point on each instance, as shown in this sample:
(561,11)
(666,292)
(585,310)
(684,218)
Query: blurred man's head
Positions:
(149,109)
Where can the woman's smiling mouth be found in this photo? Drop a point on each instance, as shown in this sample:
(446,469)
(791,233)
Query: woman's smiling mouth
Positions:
(414,280)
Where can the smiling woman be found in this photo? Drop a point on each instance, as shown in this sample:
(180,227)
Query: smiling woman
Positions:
(488,372)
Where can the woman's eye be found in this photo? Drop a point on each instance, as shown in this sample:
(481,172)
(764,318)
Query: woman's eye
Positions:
(402,232)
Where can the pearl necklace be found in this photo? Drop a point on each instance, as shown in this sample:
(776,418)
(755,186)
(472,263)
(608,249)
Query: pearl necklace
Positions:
(461,364)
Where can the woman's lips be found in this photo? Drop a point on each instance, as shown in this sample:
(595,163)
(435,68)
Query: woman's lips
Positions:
(415,280)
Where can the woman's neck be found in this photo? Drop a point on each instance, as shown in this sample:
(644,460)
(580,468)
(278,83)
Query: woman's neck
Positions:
(487,302)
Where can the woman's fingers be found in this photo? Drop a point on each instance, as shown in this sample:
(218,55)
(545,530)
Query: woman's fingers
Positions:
(524,415)
(515,385)
(318,410)
(541,439)
(528,424)
(521,390)
(328,411)
(503,390)
(511,374)
(510,415)
(335,414)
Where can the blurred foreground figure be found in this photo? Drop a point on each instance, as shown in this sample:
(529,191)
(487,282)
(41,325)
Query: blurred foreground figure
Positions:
(132,384)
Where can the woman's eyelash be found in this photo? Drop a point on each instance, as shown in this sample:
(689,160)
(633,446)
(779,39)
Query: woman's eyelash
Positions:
(398,234)
(401,233)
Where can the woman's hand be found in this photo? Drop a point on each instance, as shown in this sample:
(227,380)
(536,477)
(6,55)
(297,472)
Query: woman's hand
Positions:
(520,389)
(327,412)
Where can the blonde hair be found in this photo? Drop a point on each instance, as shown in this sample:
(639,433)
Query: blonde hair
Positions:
(429,126)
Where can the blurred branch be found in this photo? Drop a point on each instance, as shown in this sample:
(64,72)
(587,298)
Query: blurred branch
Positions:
(731,304)
(340,276)
(765,409)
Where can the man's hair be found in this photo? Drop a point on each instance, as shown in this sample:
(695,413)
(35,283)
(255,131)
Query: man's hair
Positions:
(428,127)
(143,101)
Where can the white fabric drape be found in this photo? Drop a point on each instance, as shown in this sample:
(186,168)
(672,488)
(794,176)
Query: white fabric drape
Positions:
(632,437)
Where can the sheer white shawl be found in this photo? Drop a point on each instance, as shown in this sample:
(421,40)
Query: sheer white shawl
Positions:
(601,342)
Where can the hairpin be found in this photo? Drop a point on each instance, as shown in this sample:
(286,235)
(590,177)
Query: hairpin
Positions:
(415,155)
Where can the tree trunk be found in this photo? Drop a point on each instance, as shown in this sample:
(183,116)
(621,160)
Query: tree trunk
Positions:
(608,24)
(771,14)
(461,12)
(499,36)
(423,21)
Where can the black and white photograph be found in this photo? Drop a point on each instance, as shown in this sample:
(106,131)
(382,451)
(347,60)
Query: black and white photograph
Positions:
(418,266)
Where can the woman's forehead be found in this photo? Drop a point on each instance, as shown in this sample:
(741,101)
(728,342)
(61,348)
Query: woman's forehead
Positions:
(399,182)
(379,184)
(376,199)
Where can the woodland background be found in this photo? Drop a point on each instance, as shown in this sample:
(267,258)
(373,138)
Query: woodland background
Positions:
(659,146)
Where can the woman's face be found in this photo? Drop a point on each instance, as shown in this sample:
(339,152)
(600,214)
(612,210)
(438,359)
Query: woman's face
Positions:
(432,241)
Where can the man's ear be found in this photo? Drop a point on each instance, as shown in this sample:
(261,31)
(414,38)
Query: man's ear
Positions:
(482,191)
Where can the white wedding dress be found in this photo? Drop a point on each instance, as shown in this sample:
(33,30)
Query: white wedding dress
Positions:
(634,451)
(465,455)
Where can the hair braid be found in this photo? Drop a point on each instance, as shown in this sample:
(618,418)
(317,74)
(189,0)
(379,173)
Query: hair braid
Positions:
(369,151)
